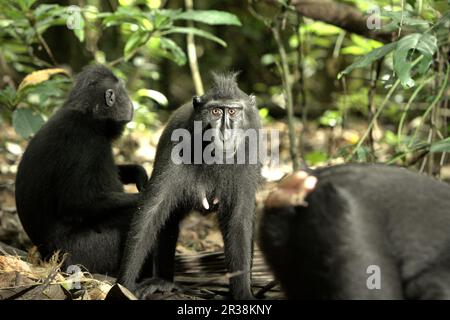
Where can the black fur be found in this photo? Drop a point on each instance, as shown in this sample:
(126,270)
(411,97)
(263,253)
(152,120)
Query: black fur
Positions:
(174,190)
(69,191)
(361,215)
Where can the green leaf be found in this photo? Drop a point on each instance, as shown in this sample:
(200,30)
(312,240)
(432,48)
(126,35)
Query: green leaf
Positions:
(155,95)
(404,19)
(263,113)
(26,122)
(25,4)
(441,146)
(122,15)
(79,33)
(315,157)
(321,28)
(197,32)
(136,40)
(176,53)
(212,17)
(443,20)
(369,58)
(390,138)
(425,43)
(7,97)
(162,18)
(331,118)
(48,15)
(354,50)
(362,153)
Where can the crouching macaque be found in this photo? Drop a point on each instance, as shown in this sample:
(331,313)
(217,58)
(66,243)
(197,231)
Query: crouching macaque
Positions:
(359,232)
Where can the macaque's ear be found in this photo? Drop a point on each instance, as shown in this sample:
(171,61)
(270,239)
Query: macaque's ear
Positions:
(197,102)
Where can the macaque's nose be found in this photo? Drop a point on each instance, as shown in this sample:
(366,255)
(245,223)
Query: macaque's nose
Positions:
(227,134)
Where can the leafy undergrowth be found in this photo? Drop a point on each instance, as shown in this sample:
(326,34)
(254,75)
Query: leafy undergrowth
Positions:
(23,280)
(200,276)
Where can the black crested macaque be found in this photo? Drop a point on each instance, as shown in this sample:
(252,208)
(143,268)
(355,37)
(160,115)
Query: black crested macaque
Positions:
(362,232)
(175,189)
(69,191)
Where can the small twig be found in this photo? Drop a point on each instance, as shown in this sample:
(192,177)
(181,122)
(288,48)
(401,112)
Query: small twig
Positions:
(376,69)
(444,107)
(288,95)
(42,41)
(192,55)
(37,60)
(377,114)
(212,280)
(37,289)
(131,54)
(432,105)
(301,71)
(408,106)
(374,118)
(338,44)
(285,74)
(345,99)
(401,19)
(266,288)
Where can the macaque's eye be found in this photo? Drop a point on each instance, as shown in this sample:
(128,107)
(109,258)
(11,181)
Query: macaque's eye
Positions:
(216,112)
(232,112)
(110,97)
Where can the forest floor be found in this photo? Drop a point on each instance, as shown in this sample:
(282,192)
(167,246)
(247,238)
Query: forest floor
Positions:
(199,261)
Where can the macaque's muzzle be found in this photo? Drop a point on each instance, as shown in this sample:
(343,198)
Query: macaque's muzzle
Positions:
(227,140)
(126,112)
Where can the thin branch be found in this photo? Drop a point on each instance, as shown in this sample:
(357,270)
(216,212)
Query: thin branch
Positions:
(376,69)
(285,75)
(288,95)
(432,105)
(380,109)
(375,117)
(131,54)
(408,106)
(192,54)
(301,71)
(42,41)
(342,15)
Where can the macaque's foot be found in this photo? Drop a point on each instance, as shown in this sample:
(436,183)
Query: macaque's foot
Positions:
(155,285)
(292,190)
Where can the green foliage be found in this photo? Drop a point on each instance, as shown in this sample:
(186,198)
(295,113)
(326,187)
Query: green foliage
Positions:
(22,27)
(26,108)
(26,122)
(360,46)
(315,158)
(173,50)
(212,17)
(421,45)
(441,146)
(161,23)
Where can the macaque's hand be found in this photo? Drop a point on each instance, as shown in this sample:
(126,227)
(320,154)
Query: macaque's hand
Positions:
(292,190)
